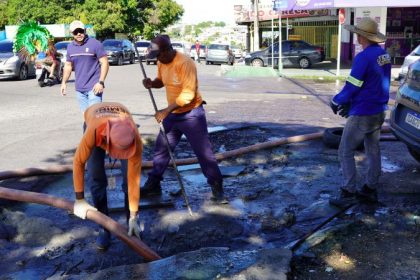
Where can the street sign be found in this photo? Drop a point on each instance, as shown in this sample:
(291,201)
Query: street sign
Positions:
(341,16)
(280,5)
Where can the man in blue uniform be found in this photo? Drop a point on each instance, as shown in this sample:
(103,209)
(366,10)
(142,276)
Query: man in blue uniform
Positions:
(363,100)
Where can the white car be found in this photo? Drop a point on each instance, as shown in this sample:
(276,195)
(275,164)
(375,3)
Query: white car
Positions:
(180,47)
(237,52)
(141,47)
(408,60)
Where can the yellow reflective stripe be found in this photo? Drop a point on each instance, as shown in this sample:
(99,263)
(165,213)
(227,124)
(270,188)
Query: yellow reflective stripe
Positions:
(354,81)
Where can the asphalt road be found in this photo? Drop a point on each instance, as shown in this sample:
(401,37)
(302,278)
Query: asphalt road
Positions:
(42,128)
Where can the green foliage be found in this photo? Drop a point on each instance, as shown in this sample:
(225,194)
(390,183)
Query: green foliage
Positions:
(132,17)
(161,15)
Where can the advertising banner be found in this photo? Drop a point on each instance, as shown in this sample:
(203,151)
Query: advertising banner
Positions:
(246,13)
(310,4)
(378,14)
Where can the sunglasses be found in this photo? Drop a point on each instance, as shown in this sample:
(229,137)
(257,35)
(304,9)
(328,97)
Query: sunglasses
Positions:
(78,31)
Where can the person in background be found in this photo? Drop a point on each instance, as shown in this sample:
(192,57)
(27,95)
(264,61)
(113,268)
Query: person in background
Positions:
(110,127)
(363,100)
(184,115)
(197,51)
(87,57)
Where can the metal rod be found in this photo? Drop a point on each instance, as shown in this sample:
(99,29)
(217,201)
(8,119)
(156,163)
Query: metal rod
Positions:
(165,137)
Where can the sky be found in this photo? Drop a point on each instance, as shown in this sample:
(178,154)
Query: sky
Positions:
(196,11)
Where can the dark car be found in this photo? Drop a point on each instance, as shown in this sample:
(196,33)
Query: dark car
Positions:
(119,51)
(12,65)
(294,53)
(405,116)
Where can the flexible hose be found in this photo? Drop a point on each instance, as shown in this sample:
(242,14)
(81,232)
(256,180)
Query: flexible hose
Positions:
(118,230)
(59,169)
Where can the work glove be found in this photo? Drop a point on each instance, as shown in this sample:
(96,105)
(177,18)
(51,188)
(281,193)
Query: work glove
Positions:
(344,110)
(80,208)
(334,106)
(133,227)
(147,83)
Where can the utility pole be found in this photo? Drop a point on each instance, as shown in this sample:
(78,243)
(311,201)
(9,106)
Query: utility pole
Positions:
(256,27)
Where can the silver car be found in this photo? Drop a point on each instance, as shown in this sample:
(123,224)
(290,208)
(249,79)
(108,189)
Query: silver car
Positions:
(408,60)
(219,53)
(11,65)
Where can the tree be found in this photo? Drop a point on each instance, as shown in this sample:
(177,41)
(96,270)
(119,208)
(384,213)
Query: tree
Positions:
(17,11)
(3,17)
(132,17)
(161,15)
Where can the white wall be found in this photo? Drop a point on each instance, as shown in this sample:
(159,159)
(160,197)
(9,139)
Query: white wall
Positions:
(376,3)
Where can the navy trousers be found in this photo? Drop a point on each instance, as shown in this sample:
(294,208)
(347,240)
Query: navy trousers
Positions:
(97,179)
(193,125)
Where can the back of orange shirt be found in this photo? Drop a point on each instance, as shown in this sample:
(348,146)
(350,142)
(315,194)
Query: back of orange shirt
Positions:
(95,116)
(180,80)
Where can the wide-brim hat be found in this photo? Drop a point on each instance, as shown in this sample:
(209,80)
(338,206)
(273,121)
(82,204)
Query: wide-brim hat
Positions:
(120,138)
(367,28)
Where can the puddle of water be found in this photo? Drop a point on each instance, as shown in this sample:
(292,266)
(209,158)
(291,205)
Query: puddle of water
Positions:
(216,128)
(211,129)
(388,166)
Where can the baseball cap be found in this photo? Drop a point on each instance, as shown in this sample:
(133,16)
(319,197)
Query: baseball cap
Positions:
(120,138)
(76,24)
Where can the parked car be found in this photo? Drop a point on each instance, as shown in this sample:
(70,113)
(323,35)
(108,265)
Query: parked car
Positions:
(11,65)
(409,59)
(180,47)
(61,48)
(202,51)
(405,116)
(237,52)
(141,47)
(150,60)
(294,53)
(119,51)
(219,53)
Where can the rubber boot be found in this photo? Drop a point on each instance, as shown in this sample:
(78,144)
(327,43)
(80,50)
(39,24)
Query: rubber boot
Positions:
(151,187)
(345,199)
(218,194)
(103,240)
(366,194)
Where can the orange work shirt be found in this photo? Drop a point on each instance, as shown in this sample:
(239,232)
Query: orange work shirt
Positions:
(95,116)
(180,80)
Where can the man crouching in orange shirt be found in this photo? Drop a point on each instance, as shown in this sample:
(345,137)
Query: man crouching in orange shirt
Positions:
(109,126)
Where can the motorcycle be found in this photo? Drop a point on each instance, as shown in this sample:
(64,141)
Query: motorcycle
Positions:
(43,65)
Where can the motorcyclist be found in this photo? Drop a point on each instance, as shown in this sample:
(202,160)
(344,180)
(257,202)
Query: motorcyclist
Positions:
(50,66)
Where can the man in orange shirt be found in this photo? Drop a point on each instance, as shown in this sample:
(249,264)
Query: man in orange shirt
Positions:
(109,126)
(184,115)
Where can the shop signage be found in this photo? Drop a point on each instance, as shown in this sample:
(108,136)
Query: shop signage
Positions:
(310,4)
